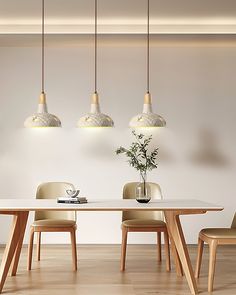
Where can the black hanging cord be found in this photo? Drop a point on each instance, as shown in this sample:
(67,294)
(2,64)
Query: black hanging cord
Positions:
(42,36)
(95,45)
(148,46)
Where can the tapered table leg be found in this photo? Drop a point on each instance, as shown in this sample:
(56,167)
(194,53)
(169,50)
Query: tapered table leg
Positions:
(176,232)
(23,223)
(13,242)
(178,266)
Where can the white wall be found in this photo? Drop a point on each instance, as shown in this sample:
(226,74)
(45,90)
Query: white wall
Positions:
(193,88)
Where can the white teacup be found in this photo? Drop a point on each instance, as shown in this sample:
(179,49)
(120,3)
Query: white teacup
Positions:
(72,193)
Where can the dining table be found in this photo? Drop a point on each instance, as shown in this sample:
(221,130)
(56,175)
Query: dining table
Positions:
(172,208)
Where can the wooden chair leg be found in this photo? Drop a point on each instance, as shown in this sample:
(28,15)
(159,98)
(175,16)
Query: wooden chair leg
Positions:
(158,246)
(167,251)
(39,246)
(199,257)
(123,248)
(30,249)
(212,262)
(73,246)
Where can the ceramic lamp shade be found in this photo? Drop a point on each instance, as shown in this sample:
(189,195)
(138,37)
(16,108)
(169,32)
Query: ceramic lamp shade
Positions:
(147,118)
(95,118)
(42,118)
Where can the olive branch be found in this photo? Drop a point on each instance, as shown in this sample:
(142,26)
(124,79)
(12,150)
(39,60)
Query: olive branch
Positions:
(138,155)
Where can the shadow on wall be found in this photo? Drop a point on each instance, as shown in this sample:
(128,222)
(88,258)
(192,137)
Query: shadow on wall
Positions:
(97,143)
(103,142)
(209,151)
(165,155)
(163,138)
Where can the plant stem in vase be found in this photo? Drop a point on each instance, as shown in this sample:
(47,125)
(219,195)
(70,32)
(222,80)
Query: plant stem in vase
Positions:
(143,191)
(143,160)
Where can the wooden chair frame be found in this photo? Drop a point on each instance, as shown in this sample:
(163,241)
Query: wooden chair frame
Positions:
(39,230)
(213,243)
(129,193)
(158,230)
(49,190)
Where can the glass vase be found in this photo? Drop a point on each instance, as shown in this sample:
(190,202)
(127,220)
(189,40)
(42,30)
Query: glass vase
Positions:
(143,190)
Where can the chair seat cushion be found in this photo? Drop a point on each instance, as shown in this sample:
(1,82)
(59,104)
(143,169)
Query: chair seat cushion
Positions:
(143,223)
(54,223)
(219,233)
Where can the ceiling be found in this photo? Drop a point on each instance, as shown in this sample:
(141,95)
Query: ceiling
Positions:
(123,9)
(123,16)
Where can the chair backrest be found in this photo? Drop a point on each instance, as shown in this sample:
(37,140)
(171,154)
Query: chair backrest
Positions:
(52,190)
(129,193)
(233,225)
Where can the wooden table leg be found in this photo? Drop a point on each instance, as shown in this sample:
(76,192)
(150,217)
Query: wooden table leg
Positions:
(23,223)
(13,242)
(176,232)
(178,265)
(175,255)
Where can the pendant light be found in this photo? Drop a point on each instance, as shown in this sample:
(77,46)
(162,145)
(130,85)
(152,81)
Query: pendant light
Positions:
(42,118)
(95,118)
(147,118)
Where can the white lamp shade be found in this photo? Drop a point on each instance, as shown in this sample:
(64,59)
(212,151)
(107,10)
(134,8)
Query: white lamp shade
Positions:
(95,118)
(42,118)
(147,118)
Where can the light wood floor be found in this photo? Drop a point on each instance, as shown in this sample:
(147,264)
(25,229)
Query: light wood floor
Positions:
(98,272)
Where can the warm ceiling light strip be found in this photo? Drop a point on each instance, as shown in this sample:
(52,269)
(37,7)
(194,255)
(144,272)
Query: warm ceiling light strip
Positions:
(165,25)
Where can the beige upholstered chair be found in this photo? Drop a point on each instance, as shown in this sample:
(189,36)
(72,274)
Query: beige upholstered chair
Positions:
(214,237)
(53,221)
(148,221)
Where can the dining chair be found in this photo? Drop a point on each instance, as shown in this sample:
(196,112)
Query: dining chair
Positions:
(53,221)
(148,221)
(214,237)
